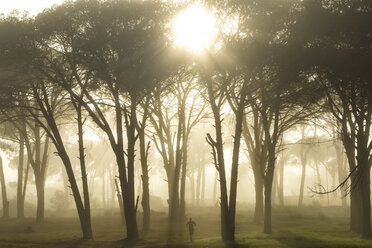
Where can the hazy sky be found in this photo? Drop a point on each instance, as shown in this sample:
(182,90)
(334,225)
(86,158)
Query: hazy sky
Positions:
(32,6)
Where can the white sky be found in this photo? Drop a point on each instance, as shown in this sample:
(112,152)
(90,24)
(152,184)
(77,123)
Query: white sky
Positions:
(32,6)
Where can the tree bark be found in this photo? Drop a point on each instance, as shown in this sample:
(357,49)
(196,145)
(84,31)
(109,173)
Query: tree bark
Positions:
(20,199)
(183,178)
(219,162)
(120,201)
(128,190)
(202,195)
(281,182)
(268,181)
(39,182)
(88,234)
(145,202)
(3,191)
(303,176)
(259,204)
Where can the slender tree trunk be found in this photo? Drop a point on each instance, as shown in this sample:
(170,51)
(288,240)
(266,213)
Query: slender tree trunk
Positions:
(39,176)
(203,186)
(20,199)
(128,190)
(120,201)
(25,181)
(239,114)
(217,147)
(215,187)
(198,182)
(103,177)
(268,181)
(303,176)
(192,187)
(145,202)
(76,194)
(275,188)
(3,191)
(281,182)
(88,234)
(183,179)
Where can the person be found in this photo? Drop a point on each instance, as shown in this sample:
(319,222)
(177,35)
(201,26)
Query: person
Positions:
(191,225)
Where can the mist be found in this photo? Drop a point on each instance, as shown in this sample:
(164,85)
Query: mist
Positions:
(186,124)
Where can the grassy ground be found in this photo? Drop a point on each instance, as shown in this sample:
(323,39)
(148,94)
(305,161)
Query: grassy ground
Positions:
(307,227)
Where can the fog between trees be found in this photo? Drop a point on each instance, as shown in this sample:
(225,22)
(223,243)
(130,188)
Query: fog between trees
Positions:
(102,114)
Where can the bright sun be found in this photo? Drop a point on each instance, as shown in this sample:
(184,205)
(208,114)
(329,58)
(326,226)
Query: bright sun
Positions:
(194,28)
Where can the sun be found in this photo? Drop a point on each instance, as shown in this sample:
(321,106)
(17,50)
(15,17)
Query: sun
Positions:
(194,28)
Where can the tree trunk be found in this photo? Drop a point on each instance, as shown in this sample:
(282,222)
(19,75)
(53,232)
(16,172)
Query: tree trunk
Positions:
(192,187)
(202,195)
(366,202)
(103,177)
(39,182)
(88,234)
(127,189)
(259,204)
(198,182)
(267,220)
(217,148)
(20,199)
(215,187)
(268,181)
(303,176)
(145,202)
(3,191)
(183,180)
(120,201)
(355,206)
(274,188)
(281,182)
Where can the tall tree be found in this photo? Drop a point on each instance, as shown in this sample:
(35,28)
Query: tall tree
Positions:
(338,57)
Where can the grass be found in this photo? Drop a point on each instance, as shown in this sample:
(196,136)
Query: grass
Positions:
(292,227)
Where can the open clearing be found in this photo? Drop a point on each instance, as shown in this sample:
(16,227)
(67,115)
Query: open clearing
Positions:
(306,227)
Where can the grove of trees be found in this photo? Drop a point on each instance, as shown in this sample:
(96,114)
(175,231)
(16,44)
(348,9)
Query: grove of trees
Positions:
(274,67)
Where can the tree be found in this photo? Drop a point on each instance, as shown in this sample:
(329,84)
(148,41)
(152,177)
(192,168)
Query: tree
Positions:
(112,47)
(338,54)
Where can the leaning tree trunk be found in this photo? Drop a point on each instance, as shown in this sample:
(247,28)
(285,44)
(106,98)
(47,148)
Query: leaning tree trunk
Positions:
(3,191)
(20,201)
(183,180)
(145,202)
(87,218)
(239,114)
(268,181)
(120,201)
(59,145)
(218,155)
(87,234)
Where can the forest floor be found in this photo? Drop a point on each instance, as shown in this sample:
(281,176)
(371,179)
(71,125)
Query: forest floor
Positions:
(306,227)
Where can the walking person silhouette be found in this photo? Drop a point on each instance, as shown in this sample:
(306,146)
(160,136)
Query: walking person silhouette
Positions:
(191,225)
